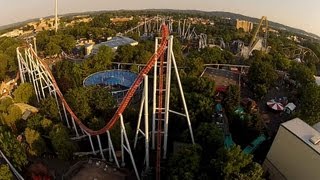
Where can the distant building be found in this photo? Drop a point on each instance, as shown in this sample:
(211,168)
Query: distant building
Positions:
(121,19)
(114,43)
(245,25)
(13,33)
(295,152)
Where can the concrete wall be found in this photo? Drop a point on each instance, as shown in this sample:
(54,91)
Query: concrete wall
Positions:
(290,157)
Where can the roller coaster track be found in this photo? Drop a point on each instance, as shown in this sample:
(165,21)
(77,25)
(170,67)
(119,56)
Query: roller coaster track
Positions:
(128,96)
(32,68)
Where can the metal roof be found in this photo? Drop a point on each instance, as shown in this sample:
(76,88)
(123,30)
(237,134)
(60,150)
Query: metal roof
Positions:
(303,131)
(117,41)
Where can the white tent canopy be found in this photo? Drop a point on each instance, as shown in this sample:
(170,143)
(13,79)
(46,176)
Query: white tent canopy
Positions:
(291,106)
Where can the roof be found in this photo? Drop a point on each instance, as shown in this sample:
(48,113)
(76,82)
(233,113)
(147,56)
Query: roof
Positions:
(223,78)
(291,106)
(302,131)
(117,41)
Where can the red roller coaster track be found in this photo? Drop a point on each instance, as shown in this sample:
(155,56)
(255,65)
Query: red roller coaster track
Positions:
(123,105)
(127,97)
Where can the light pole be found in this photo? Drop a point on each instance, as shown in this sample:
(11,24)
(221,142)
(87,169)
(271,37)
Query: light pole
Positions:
(56,15)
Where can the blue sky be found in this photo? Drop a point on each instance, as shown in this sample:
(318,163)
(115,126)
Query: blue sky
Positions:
(302,14)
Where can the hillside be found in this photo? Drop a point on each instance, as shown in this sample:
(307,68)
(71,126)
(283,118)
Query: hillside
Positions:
(212,13)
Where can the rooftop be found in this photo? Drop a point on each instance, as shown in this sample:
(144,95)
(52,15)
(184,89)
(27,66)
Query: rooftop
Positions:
(117,41)
(303,131)
(222,77)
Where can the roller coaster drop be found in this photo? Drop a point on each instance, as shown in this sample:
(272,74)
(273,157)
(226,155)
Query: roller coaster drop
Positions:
(35,71)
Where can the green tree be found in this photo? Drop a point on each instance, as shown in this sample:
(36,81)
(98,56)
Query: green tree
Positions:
(61,142)
(261,76)
(99,62)
(3,65)
(126,53)
(195,66)
(210,137)
(49,108)
(310,104)
(96,123)
(134,68)
(102,60)
(185,163)
(36,143)
(232,98)
(24,93)
(12,148)
(5,173)
(8,57)
(5,103)
(68,43)
(12,117)
(101,101)
(233,164)
(52,49)
(34,122)
(79,100)
(301,74)
(68,75)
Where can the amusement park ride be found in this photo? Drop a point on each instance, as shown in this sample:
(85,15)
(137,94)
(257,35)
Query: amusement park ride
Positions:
(34,70)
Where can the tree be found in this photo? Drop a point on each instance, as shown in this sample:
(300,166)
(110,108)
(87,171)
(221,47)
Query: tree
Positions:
(52,49)
(61,142)
(208,135)
(79,100)
(101,101)
(194,66)
(11,118)
(301,74)
(102,60)
(310,104)
(185,163)
(68,43)
(5,173)
(261,76)
(233,164)
(8,57)
(96,123)
(49,108)
(3,65)
(99,62)
(12,148)
(36,143)
(24,93)
(34,122)
(68,75)
(5,103)
(126,53)
(232,99)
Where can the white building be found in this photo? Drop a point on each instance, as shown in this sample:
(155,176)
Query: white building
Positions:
(114,43)
(295,152)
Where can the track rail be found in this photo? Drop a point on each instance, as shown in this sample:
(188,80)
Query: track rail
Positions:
(123,105)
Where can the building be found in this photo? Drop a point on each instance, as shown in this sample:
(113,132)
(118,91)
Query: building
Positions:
(114,43)
(223,78)
(13,33)
(121,19)
(295,152)
(245,25)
